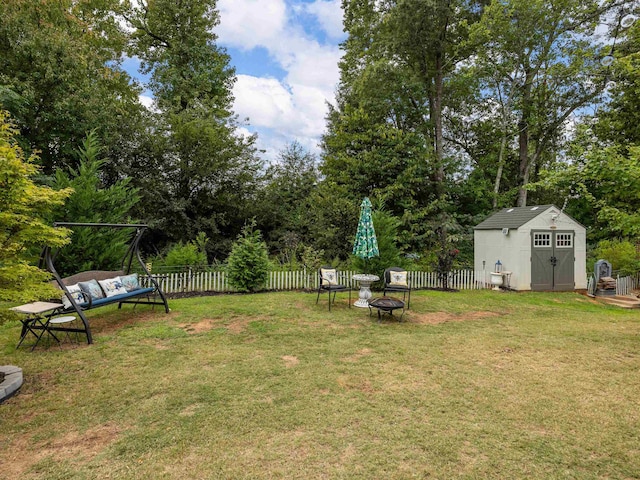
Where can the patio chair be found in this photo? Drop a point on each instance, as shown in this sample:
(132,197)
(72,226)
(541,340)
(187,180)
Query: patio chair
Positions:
(329,283)
(396,279)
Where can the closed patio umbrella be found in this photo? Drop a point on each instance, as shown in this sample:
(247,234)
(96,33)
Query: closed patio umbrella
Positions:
(366,244)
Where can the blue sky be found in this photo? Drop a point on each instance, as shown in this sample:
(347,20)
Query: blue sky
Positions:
(286,55)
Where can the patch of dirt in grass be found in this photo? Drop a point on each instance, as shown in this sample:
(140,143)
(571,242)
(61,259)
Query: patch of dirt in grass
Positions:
(235,325)
(350,383)
(37,382)
(239,325)
(290,361)
(190,410)
(202,326)
(358,355)
(24,453)
(110,325)
(435,318)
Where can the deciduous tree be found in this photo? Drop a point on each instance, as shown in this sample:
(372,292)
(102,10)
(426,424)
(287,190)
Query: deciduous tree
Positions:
(24,207)
(59,68)
(205,172)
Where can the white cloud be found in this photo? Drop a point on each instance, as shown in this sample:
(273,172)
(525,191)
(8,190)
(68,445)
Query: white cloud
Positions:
(264,100)
(329,15)
(293,107)
(246,24)
(308,62)
(147,102)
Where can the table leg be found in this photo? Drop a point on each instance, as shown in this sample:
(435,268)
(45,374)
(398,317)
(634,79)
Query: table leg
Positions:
(364,294)
(30,325)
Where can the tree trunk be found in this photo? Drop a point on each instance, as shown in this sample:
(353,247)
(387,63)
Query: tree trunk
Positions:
(437,122)
(496,186)
(523,141)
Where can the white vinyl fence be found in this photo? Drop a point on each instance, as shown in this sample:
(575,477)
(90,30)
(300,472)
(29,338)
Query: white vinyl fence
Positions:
(216,281)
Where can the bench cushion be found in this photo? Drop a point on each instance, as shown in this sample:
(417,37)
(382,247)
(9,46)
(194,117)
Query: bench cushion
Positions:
(92,288)
(119,298)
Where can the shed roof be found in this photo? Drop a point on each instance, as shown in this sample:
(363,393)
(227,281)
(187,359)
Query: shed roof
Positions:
(512,217)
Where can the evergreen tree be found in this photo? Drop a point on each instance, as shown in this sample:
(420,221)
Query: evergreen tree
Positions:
(93,202)
(248,262)
(284,202)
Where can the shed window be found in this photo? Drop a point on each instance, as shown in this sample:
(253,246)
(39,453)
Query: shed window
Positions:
(541,239)
(564,240)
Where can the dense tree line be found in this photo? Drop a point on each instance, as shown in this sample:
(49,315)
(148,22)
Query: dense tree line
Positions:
(445,111)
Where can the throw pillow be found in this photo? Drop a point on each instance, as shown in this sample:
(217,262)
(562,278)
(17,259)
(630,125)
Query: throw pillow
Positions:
(329,276)
(130,282)
(76,293)
(92,288)
(112,287)
(398,279)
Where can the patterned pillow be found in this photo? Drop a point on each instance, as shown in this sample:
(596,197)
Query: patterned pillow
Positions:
(398,279)
(76,293)
(130,282)
(112,287)
(92,288)
(329,276)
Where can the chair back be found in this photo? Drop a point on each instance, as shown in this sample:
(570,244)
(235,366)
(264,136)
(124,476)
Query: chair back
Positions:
(325,273)
(387,273)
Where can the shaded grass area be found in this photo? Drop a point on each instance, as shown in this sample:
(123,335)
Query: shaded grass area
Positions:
(472,385)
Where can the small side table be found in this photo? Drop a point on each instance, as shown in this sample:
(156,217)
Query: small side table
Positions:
(37,315)
(365,281)
(54,324)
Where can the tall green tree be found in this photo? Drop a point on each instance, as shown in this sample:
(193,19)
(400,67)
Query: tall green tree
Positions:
(205,172)
(284,201)
(93,201)
(386,135)
(60,71)
(545,60)
(619,121)
(604,187)
(24,207)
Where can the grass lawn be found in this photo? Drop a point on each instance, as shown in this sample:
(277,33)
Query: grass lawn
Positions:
(472,385)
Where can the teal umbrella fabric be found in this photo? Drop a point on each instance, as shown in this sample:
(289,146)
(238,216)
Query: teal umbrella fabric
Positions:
(366,244)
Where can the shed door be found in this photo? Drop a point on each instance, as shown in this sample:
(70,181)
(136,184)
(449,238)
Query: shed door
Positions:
(552,260)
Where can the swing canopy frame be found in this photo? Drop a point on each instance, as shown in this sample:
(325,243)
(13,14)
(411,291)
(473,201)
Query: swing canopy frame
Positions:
(148,293)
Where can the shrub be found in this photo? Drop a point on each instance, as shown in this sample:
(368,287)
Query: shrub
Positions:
(622,255)
(248,263)
(191,254)
(23,229)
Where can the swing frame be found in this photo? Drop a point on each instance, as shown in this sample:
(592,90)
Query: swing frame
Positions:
(142,296)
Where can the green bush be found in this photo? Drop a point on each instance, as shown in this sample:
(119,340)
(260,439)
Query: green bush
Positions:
(191,254)
(622,255)
(248,263)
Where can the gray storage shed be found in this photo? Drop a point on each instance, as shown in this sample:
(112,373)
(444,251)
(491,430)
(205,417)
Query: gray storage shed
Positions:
(542,247)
